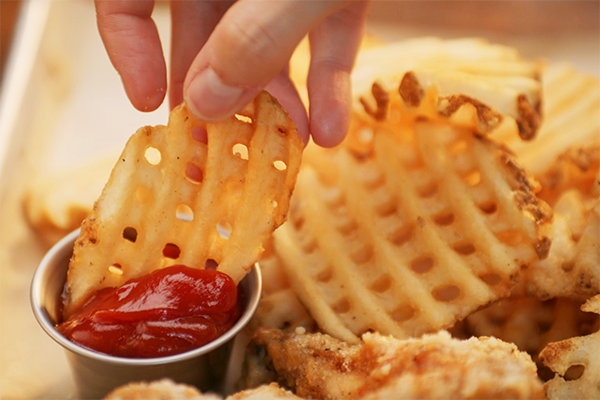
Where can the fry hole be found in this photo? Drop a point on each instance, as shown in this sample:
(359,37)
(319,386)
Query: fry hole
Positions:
(240,150)
(280,165)
(184,213)
(152,155)
(130,234)
(224,228)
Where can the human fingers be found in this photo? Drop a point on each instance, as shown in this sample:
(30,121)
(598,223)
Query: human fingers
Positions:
(133,46)
(250,46)
(191,24)
(284,90)
(334,45)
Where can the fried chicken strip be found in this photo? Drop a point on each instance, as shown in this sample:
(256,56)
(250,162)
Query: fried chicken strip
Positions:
(167,389)
(432,367)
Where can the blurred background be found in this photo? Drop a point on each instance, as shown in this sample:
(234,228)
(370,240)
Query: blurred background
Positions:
(555,30)
(514,17)
(560,21)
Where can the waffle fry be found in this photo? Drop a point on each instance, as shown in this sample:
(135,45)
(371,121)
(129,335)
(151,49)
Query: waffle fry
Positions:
(173,199)
(475,100)
(388,63)
(565,157)
(56,203)
(571,268)
(571,109)
(279,306)
(587,260)
(531,323)
(576,363)
(435,366)
(475,84)
(420,229)
(575,169)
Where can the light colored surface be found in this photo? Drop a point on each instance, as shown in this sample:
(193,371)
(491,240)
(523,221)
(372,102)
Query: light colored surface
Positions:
(63,103)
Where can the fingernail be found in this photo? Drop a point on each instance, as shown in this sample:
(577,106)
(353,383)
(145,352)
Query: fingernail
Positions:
(209,98)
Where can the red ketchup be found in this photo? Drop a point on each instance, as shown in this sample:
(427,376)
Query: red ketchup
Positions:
(169,311)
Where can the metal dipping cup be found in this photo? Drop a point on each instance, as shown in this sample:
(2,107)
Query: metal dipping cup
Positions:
(96,374)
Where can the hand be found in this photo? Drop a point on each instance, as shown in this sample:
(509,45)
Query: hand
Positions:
(224,52)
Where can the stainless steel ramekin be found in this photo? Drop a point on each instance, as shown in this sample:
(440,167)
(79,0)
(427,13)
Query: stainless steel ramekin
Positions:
(95,373)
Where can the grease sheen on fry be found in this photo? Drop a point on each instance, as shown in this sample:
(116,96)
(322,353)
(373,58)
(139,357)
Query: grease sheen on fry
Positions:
(410,230)
(188,193)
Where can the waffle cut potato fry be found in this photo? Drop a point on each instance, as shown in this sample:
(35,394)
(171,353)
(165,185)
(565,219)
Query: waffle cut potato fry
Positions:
(565,158)
(572,268)
(568,142)
(575,169)
(563,273)
(474,83)
(57,202)
(279,306)
(188,193)
(576,363)
(532,324)
(423,226)
(586,264)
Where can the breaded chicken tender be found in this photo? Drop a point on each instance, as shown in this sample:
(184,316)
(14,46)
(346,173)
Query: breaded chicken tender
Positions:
(264,392)
(432,367)
(166,389)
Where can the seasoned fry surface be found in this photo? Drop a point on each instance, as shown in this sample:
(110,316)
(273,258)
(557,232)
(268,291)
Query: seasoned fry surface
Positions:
(435,366)
(470,82)
(409,226)
(188,193)
(576,356)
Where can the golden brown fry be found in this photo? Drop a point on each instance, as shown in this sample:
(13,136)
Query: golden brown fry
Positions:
(531,323)
(279,306)
(576,363)
(471,82)
(56,203)
(409,230)
(572,268)
(575,169)
(586,264)
(570,132)
(174,199)
(478,101)
(565,157)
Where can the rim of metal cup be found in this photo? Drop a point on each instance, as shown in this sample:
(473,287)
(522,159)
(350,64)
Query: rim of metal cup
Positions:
(62,249)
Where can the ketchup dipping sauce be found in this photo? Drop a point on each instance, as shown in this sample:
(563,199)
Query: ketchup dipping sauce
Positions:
(169,311)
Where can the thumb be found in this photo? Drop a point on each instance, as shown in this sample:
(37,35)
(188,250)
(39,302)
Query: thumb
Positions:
(251,44)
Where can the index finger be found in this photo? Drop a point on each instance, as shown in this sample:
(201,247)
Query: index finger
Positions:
(133,45)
